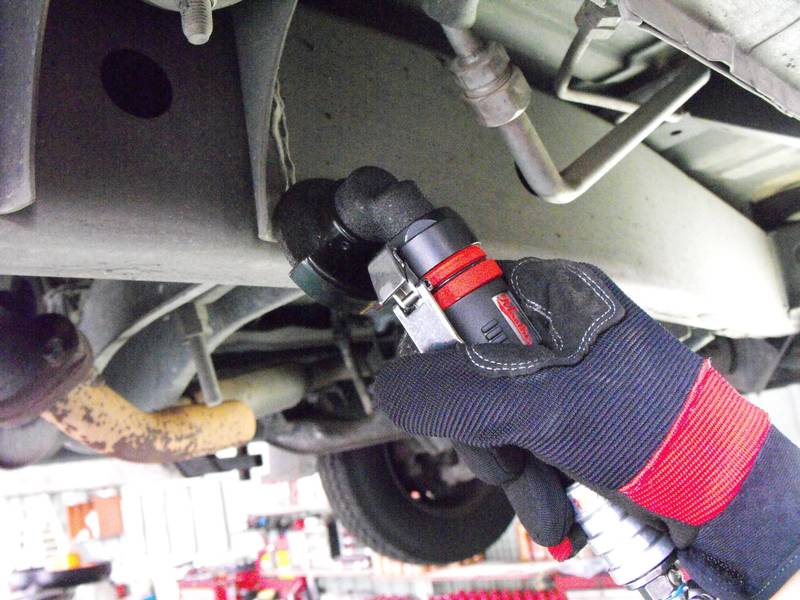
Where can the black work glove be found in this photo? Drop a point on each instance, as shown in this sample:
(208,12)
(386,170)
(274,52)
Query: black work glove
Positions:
(609,398)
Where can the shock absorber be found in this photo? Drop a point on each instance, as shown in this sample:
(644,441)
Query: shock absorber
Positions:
(428,265)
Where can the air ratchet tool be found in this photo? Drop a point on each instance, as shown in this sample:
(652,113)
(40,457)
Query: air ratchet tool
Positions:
(428,266)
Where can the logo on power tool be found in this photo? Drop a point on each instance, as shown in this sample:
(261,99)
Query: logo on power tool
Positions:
(511,312)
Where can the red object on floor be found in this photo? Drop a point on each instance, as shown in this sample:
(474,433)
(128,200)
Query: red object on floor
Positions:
(241,584)
(572,582)
(216,585)
(503,595)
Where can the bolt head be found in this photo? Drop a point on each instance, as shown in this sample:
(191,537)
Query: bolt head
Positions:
(659,588)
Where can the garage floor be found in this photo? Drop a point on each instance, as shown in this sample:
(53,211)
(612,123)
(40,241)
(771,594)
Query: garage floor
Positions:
(221,537)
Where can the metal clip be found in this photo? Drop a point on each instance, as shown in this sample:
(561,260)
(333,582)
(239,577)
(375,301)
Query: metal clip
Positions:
(414,306)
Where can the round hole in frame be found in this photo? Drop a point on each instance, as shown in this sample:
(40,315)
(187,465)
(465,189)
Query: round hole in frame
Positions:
(136,83)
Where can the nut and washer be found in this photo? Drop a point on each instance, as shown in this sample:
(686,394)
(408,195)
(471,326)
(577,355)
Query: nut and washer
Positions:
(495,89)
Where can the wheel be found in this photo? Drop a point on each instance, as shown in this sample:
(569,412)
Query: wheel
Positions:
(414,506)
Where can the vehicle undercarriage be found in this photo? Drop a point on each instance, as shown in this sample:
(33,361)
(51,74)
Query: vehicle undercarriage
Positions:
(140,175)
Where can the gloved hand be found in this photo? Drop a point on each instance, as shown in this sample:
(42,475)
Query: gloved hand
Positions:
(609,398)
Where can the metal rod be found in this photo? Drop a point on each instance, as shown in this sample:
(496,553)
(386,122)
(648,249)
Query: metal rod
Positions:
(344,343)
(539,170)
(533,159)
(464,42)
(622,139)
(498,92)
(206,373)
(580,43)
(193,320)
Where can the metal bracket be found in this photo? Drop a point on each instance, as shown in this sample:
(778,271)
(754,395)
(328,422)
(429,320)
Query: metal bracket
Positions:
(242,462)
(717,37)
(787,243)
(115,311)
(594,23)
(21,34)
(414,306)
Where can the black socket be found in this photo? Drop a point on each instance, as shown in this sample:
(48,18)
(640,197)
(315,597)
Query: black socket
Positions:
(431,239)
(329,262)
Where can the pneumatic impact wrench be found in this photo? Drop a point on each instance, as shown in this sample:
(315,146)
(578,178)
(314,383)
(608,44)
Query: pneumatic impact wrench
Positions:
(371,235)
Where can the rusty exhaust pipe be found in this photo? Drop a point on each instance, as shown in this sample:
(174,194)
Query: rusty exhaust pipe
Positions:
(45,370)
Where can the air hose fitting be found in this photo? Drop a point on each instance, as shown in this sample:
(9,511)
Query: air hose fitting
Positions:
(638,557)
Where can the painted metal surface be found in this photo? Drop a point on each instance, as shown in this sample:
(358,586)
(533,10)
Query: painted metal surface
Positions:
(676,248)
(21,30)
(261,29)
(118,200)
(168,198)
(754,41)
(743,165)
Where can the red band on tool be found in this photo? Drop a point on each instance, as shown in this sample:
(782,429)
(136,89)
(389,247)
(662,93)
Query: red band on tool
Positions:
(466,282)
(514,317)
(453,264)
(707,454)
(561,551)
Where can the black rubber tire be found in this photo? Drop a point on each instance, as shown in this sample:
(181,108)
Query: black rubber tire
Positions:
(372,504)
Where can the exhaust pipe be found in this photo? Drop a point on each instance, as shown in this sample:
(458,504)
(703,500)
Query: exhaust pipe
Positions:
(101,419)
(45,370)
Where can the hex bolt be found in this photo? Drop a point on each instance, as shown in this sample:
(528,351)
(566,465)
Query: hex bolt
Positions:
(54,351)
(196,20)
